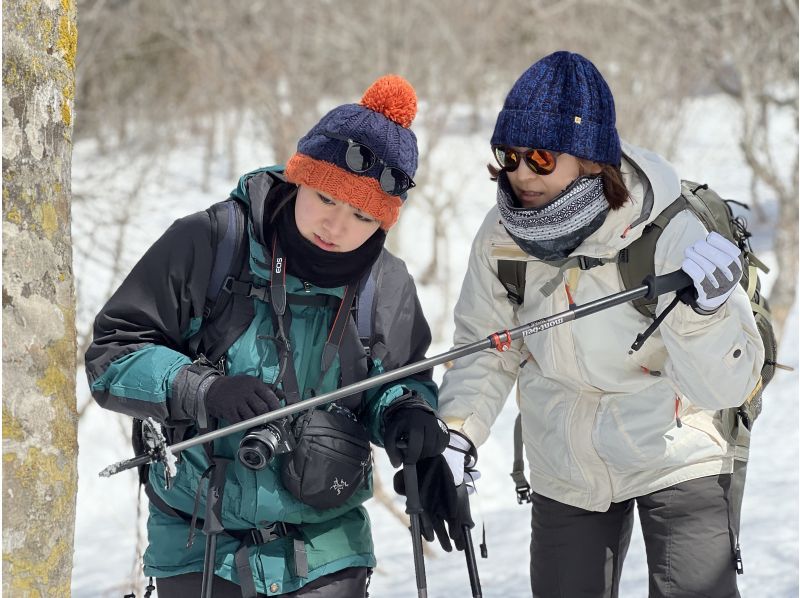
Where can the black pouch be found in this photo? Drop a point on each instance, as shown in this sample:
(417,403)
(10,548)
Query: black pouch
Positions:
(331,460)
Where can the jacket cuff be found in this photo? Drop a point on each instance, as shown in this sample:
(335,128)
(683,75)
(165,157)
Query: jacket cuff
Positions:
(706,312)
(189,389)
(689,318)
(461,443)
(407,400)
(471,428)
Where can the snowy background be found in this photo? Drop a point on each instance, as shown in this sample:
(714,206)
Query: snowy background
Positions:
(105,561)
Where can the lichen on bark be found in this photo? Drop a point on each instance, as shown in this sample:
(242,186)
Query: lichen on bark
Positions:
(39,415)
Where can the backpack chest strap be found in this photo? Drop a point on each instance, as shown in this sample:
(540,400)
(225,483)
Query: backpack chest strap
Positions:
(262,293)
(579,261)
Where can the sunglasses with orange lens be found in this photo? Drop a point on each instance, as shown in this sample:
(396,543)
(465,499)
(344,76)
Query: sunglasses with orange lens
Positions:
(542,162)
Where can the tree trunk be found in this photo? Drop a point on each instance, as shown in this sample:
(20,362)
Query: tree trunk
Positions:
(39,421)
(784,291)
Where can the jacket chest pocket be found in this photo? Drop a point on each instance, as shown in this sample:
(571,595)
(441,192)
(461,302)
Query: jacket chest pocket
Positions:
(255,353)
(552,348)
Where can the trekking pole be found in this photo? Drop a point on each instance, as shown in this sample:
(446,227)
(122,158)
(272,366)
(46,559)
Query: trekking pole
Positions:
(414,509)
(209,560)
(212,524)
(472,564)
(651,287)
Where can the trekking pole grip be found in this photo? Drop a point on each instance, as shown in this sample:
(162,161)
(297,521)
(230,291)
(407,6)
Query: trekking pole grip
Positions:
(666,283)
(413,502)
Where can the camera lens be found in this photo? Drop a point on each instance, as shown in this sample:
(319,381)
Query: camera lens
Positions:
(254,454)
(260,445)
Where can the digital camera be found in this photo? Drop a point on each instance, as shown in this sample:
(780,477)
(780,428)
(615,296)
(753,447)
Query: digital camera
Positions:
(260,445)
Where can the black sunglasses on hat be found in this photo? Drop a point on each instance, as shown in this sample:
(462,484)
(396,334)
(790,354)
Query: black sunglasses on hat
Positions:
(360,158)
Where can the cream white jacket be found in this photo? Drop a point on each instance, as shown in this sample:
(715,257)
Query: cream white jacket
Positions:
(599,425)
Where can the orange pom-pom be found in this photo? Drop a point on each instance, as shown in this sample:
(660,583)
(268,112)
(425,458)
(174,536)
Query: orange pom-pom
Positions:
(392,96)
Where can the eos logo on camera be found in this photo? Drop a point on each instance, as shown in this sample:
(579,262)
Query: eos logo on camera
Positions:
(278,265)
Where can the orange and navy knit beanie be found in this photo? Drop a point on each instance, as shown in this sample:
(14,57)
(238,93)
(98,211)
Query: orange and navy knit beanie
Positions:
(380,122)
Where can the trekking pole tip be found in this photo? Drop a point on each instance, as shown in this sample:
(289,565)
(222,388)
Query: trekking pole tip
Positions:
(115,468)
(109,471)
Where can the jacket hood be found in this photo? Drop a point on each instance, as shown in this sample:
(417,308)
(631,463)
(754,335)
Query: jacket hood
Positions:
(252,190)
(652,184)
(264,177)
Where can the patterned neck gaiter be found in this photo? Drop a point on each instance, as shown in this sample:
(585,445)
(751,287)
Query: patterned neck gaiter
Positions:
(553,231)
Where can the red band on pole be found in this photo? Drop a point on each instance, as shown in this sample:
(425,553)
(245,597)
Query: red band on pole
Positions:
(501,345)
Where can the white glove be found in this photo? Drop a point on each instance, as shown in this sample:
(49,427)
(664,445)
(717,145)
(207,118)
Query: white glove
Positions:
(461,456)
(715,266)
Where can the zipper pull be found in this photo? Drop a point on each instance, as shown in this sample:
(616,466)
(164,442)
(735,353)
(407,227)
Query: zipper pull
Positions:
(677,412)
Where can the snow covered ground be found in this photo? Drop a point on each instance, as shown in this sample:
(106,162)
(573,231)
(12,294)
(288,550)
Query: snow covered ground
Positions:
(106,532)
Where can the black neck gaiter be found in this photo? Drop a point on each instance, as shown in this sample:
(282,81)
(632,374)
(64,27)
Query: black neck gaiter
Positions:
(326,269)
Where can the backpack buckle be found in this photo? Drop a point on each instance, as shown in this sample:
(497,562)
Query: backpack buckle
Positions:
(238,287)
(738,559)
(587,263)
(260,293)
(514,297)
(263,535)
(524,494)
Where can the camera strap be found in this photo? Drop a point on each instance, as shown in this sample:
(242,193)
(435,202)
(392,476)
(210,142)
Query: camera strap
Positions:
(282,322)
(334,341)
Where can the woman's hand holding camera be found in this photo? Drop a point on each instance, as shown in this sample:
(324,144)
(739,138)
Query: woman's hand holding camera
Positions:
(237,398)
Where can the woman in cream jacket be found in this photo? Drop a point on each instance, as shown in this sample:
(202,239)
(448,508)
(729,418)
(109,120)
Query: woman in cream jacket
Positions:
(603,429)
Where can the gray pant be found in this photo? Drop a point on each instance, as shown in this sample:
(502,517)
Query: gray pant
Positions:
(347,583)
(690,533)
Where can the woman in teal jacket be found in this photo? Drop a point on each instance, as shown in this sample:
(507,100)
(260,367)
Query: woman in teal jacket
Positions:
(168,350)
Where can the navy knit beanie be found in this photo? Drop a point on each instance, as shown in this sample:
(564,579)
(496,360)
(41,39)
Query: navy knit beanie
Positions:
(381,122)
(563,104)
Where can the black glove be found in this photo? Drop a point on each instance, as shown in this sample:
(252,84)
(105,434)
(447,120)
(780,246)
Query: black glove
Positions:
(237,398)
(442,501)
(412,431)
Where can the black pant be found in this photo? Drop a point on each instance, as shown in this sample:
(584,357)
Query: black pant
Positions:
(347,583)
(689,531)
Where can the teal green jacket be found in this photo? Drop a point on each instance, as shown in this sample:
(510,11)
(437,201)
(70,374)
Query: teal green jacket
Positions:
(140,363)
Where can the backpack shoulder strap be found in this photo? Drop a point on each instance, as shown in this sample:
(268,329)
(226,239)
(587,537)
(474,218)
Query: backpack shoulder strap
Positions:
(230,252)
(709,207)
(365,309)
(364,315)
(229,273)
(640,254)
(512,276)
(228,222)
(523,488)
